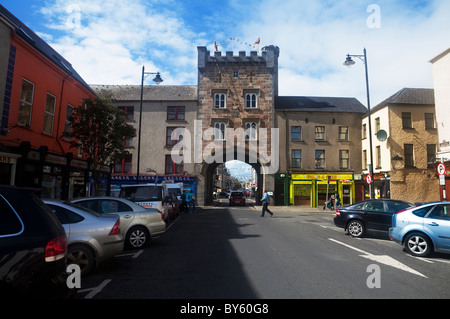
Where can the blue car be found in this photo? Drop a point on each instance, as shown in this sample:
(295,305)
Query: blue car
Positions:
(423,229)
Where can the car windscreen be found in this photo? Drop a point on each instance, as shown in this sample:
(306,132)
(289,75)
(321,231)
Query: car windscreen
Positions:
(142,193)
(237,194)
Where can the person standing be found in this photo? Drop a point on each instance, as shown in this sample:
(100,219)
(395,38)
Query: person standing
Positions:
(266,199)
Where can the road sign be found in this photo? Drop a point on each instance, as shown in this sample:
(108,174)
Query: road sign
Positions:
(369,179)
(440,169)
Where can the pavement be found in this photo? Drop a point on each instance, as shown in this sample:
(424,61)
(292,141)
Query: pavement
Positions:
(223,202)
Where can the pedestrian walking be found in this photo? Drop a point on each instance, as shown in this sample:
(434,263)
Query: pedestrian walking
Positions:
(191,202)
(266,199)
(183,206)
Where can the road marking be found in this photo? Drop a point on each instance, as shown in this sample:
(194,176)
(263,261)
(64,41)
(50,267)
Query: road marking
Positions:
(95,290)
(135,255)
(382,259)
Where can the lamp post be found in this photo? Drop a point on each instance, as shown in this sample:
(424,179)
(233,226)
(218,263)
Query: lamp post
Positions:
(157,80)
(349,62)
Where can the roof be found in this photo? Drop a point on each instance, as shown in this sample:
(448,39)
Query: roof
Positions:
(439,56)
(41,46)
(319,104)
(150,92)
(409,96)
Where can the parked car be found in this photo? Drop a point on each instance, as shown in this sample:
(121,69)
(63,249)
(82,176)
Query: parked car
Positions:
(137,223)
(423,229)
(373,214)
(33,247)
(91,238)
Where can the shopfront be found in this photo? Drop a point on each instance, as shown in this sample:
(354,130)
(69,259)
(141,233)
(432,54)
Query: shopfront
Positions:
(315,189)
(8,164)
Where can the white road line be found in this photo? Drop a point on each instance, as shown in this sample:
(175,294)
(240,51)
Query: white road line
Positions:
(383,259)
(95,290)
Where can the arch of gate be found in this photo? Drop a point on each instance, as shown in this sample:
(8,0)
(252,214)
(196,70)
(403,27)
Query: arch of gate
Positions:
(205,176)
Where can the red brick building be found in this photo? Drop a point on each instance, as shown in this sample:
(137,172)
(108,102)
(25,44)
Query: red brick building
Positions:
(38,91)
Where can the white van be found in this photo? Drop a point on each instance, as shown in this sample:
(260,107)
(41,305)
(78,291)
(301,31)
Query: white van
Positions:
(148,196)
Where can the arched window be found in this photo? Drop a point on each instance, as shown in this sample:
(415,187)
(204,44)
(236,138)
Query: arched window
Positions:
(251,100)
(221,127)
(220,100)
(250,131)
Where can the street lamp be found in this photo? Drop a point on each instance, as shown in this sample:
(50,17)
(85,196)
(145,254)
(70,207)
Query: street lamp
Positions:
(157,80)
(349,62)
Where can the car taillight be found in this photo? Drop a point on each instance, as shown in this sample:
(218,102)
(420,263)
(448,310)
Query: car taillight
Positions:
(160,212)
(56,249)
(338,213)
(115,230)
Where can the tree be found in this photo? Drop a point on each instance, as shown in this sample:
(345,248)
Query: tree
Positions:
(99,128)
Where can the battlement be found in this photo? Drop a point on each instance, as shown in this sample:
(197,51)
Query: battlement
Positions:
(269,55)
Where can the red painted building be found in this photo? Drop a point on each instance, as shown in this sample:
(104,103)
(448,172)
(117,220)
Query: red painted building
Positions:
(38,91)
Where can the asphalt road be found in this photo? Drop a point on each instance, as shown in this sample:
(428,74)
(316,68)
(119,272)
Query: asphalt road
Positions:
(233,253)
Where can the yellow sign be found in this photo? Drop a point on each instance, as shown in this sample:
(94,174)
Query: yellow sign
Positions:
(323,176)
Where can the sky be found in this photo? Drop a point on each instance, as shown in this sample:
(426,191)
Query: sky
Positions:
(108,41)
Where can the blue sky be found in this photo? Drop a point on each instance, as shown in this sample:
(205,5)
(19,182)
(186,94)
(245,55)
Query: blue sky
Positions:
(108,41)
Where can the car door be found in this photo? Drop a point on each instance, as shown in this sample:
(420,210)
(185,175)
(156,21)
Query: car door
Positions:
(437,224)
(112,206)
(377,216)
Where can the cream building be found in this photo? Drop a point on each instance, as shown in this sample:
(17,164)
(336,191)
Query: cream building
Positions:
(441,78)
(404,157)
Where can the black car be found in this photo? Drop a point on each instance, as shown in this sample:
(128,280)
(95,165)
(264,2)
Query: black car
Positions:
(373,214)
(33,248)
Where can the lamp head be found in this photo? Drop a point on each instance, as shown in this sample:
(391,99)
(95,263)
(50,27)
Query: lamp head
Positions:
(157,78)
(349,61)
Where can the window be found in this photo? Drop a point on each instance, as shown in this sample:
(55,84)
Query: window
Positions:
(219,130)
(320,133)
(378,157)
(69,113)
(377,125)
(11,224)
(220,100)
(251,101)
(344,159)
(251,131)
(26,103)
(364,163)
(296,158)
(374,206)
(173,168)
(169,140)
(320,159)
(123,165)
(49,113)
(406,120)
(429,120)
(440,212)
(296,133)
(409,155)
(364,131)
(431,153)
(175,113)
(235,73)
(129,112)
(343,133)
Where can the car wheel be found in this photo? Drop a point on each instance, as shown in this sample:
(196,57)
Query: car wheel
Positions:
(81,256)
(418,244)
(137,237)
(356,228)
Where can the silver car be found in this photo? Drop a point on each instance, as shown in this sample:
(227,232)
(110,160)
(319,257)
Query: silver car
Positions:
(138,224)
(423,229)
(91,238)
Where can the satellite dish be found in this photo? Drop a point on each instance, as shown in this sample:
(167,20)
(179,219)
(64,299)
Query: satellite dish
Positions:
(382,135)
